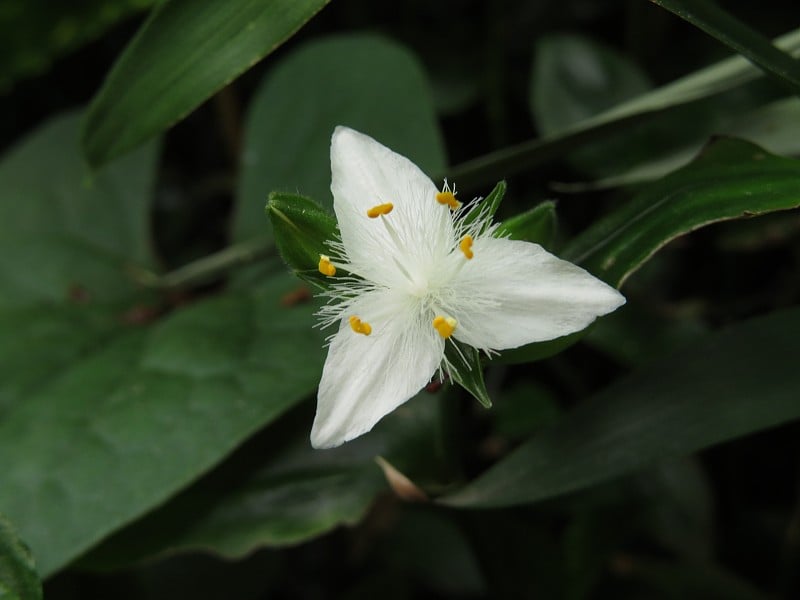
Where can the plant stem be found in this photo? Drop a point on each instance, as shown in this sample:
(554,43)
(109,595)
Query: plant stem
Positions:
(207,268)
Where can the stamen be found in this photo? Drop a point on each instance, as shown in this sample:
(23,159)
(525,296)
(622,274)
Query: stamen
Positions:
(449,198)
(325,266)
(444,325)
(380,209)
(360,326)
(466,246)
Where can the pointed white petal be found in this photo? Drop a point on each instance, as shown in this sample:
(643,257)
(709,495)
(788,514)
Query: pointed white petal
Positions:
(365,174)
(367,377)
(513,293)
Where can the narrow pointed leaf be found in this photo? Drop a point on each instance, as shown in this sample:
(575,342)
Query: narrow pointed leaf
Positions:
(737,35)
(489,205)
(185,51)
(537,225)
(732,383)
(730,179)
(467,371)
(714,79)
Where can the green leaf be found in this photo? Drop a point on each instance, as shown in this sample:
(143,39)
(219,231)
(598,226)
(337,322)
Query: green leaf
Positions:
(636,333)
(141,416)
(18,578)
(524,408)
(94,395)
(367,83)
(301,228)
(733,383)
(775,127)
(186,51)
(739,36)
(717,78)
(680,508)
(34,33)
(537,225)
(67,241)
(489,205)
(292,494)
(73,228)
(730,179)
(467,371)
(539,350)
(574,78)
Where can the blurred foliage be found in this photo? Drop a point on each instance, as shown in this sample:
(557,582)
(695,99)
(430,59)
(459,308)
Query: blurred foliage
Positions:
(158,363)
(35,34)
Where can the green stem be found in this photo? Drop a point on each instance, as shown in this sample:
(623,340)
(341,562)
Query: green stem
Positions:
(207,268)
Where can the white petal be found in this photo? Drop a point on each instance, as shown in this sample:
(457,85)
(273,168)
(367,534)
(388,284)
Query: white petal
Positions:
(513,293)
(367,377)
(364,174)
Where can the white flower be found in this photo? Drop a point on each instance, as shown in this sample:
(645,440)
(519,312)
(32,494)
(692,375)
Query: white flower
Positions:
(418,275)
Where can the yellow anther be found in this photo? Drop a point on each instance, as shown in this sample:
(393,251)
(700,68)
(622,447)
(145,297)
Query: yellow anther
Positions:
(444,325)
(449,198)
(360,326)
(380,209)
(325,266)
(466,246)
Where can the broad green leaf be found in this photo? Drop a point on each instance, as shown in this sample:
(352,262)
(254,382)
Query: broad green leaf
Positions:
(186,51)
(730,179)
(717,78)
(144,414)
(574,78)
(737,35)
(301,228)
(732,383)
(67,241)
(34,33)
(18,578)
(95,396)
(277,506)
(61,227)
(293,493)
(362,81)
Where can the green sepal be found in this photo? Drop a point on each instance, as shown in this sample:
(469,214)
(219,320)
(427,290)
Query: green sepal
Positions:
(466,370)
(301,228)
(488,206)
(536,225)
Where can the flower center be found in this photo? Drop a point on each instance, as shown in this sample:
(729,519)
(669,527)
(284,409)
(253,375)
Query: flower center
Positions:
(429,289)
